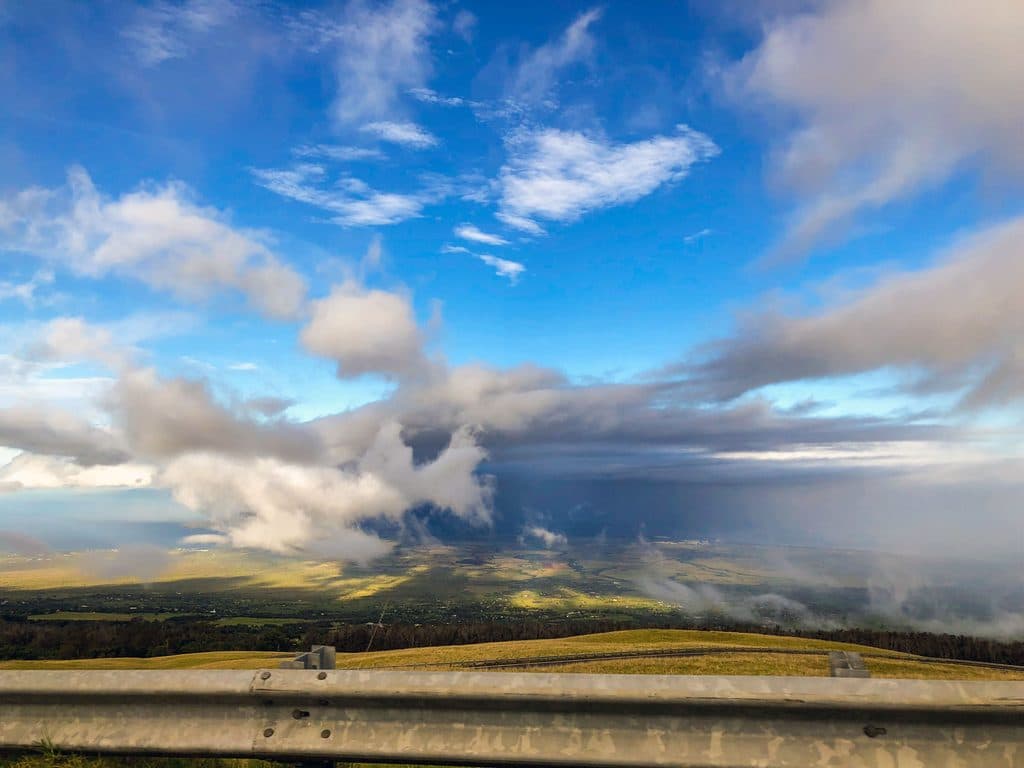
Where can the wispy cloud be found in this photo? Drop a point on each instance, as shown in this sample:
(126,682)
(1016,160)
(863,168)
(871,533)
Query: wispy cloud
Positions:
(512,270)
(503,267)
(561,175)
(166,30)
(472,233)
(521,223)
(699,235)
(429,96)
(406,134)
(537,73)
(27,291)
(337,152)
(351,201)
(381,52)
(464,25)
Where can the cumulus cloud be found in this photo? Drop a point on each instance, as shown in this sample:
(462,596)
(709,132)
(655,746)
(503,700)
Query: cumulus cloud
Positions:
(30,471)
(365,331)
(48,430)
(474,234)
(158,235)
(404,133)
(260,479)
(381,52)
(956,325)
(880,119)
(562,175)
(284,507)
(162,418)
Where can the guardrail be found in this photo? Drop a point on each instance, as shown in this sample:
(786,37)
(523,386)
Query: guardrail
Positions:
(487,718)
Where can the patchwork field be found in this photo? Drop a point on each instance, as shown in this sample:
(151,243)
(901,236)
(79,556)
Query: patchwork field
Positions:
(429,583)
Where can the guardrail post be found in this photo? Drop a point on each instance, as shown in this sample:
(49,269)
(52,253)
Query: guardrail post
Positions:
(847,664)
(318,657)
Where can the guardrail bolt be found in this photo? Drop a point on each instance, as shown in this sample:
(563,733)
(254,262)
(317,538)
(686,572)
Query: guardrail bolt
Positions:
(322,676)
(325,734)
(268,732)
(264,676)
(871,731)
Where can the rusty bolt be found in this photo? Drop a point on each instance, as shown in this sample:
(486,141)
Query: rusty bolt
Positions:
(268,732)
(264,676)
(322,676)
(325,734)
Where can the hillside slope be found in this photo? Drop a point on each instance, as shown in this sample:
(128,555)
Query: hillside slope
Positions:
(629,651)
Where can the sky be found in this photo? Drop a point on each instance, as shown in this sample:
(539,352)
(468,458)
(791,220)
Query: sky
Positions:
(317,278)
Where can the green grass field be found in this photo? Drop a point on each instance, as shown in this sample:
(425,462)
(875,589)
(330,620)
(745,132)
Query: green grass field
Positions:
(771,661)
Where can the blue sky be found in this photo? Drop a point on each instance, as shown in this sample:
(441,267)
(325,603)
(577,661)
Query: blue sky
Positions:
(751,240)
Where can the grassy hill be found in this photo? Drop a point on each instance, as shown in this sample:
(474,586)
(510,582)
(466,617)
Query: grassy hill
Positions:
(720,653)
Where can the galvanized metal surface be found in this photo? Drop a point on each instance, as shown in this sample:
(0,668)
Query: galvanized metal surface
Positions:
(488,718)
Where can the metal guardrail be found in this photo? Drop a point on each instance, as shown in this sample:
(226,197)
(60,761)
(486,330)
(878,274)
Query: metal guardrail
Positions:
(488,718)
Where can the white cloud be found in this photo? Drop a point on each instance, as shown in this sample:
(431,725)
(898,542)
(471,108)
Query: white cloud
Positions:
(381,52)
(245,367)
(157,235)
(406,134)
(29,471)
(503,267)
(337,152)
(352,202)
(49,430)
(471,232)
(891,97)
(699,235)
(285,507)
(166,30)
(520,222)
(538,72)
(365,331)
(429,96)
(549,539)
(464,25)
(561,175)
(72,339)
(26,292)
(163,418)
